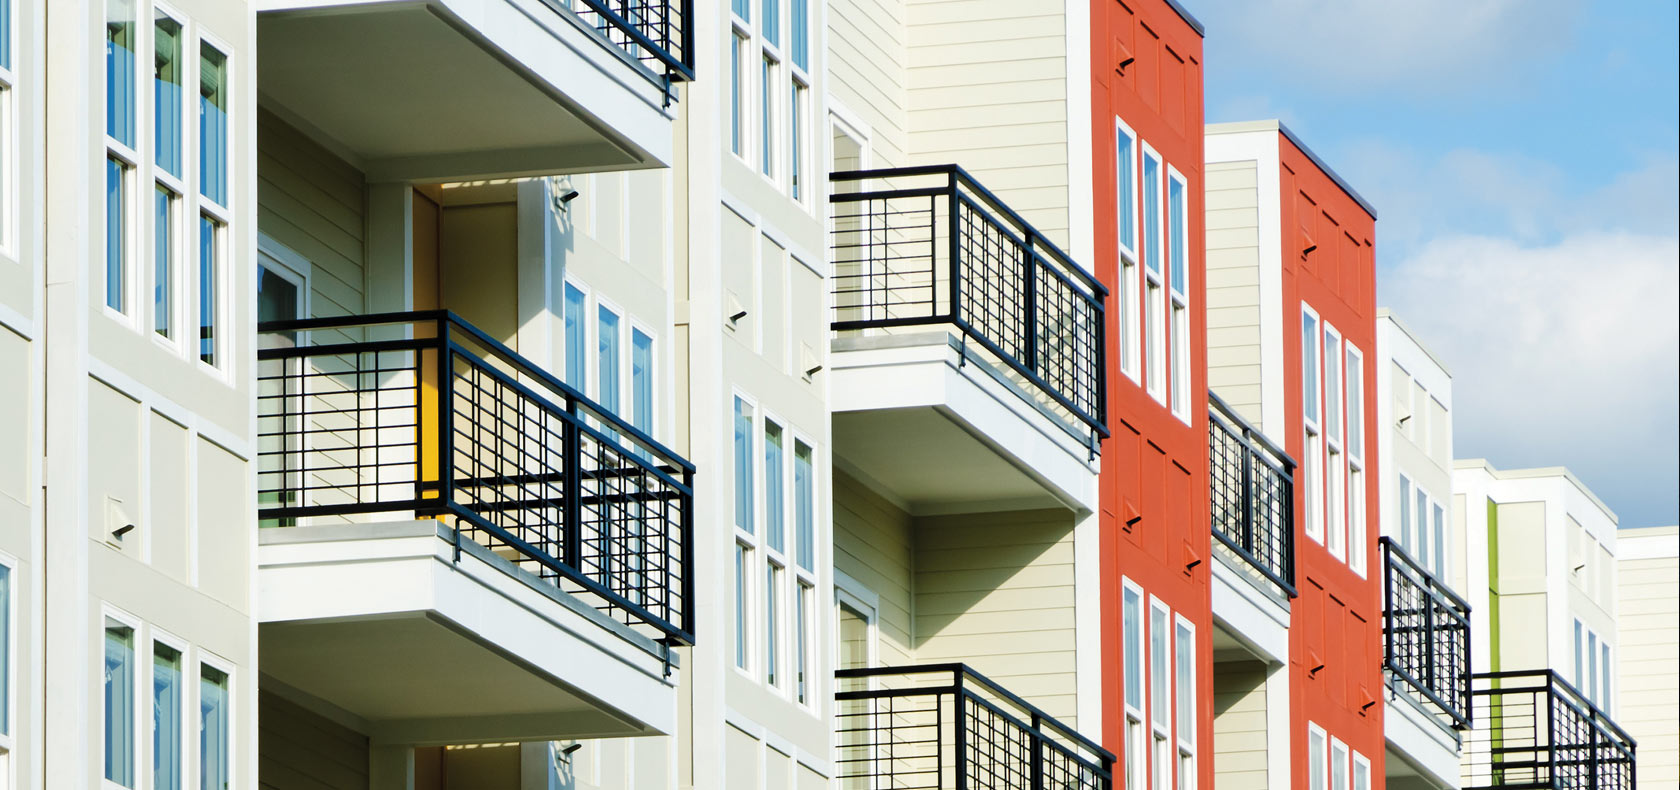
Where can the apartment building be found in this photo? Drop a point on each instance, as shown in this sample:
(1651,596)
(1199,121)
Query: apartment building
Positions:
(1647,608)
(1426,639)
(1540,560)
(1291,317)
(1146,122)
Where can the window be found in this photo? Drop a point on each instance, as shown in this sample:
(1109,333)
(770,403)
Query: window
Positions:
(775,541)
(1592,667)
(1604,698)
(1361,772)
(1125,185)
(641,381)
(574,328)
(1313,462)
(1438,539)
(1160,693)
(116,234)
(804,507)
(1154,319)
(121,41)
(119,703)
(607,369)
(1421,512)
(1178,262)
(1184,639)
(1580,658)
(774,533)
(1355,373)
(767,114)
(805,594)
(799,109)
(167,120)
(1316,758)
(737,88)
(209,264)
(1338,765)
(163,259)
(1335,469)
(741,560)
(1355,403)
(743,466)
(5,591)
(1405,535)
(772,622)
(212,124)
(166,717)
(215,729)
(1132,655)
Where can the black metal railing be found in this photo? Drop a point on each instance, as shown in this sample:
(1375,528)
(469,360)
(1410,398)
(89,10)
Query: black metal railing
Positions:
(1426,637)
(1534,730)
(930,246)
(946,727)
(657,33)
(424,415)
(1251,490)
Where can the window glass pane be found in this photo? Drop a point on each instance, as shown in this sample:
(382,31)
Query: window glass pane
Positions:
(742,8)
(1151,213)
(737,108)
(6,34)
(1176,237)
(212,124)
(1338,767)
(166,93)
(116,234)
(804,507)
(1158,670)
(1580,660)
(772,623)
(576,345)
(771,23)
(774,503)
(740,606)
(1355,405)
(5,637)
(1180,359)
(802,639)
(213,757)
(120,42)
(743,466)
(163,260)
(641,381)
(1439,540)
(1185,655)
(209,268)
(766,116)
(166,718)
(607,370)
(1361,776)
(1126,185)
(796,146)
(1309,366)
(1133,616)
(854,639)
(1421,513)
(1332,387)
(1315,759)
(1592,667)
(119,704)
(801,33)
(1604,667)
(1406,514)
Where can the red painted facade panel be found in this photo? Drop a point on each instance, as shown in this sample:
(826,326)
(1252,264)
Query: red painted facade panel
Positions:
(1147,73)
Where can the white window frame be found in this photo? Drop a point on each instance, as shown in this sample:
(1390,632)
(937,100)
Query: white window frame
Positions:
(1135,711)
(137,643)
(1186,748)
(1360,762)
(1313,457)
(1161,732)
(8,738)
(189,693)
(740,88)
(135,169)
(802,576)
(1339,759)
(768,106)
(1179,375)
(227,352)
(1335,443)
(1316,736)
(1130,267)
(632,326)
(593,308)
(779,560)
(746,626)
(1154,289)
(8,150)
(586,385)
(1358,523)
(179,186)
(205,658)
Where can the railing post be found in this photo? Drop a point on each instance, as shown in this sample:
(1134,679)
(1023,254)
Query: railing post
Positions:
(1246,537)
(959,717)
(1029,304)
(1551,731)
(687,521)
(1037,736)
(1388,605)
(954,219)
(445,432)
(572,437)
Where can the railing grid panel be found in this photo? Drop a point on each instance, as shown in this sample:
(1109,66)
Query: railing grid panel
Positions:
(1427,638)
(1251,492)
(654,32)
(443,422)
(1533,730)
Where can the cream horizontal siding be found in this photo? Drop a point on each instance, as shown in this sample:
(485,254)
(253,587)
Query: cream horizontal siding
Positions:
(1239,725)
(866,53)
(1648,702)
(1233,285)
(300,750)
(315,204)
(872,544)
(987,86)
(995,591)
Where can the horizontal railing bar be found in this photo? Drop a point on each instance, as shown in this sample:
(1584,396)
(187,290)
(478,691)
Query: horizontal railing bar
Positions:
(1429,582)
(1271,576)
(1245,430)
(683,68)
(1010,360)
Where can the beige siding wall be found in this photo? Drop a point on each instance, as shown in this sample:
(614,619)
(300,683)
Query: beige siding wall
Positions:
(995,591)
(1233,290)
(1648,702)
(300,750)
(988,91)
(866,40)
(315,204)
(873,545)
(1239,725)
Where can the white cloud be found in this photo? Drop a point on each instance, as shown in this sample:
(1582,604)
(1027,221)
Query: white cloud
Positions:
(1565,353)
(1427,46)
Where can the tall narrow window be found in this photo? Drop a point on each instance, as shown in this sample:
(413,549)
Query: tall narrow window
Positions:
(607,363)
(119,704)
(1604,668)
(1335,467)
(1154,306)
(767,115)
(804,507)
(804,595)
(116,234)
(1592,667)
(1438,539)
(163,259)
(741,605)
(1361,772)
(1338,765)
(120,44)
(1420,502)
(166,718)
(743,466)
(1132,692)
(1125,186)
(1178,278)
(212,124)
(1309,366)
(209,267)
(774,502)
(1354,372)
(1313,451)
(1185,679)
(641,381)
(797,110)
(1355,402)
(121,40)
(5,627)
(1580,659)
(1405,536)
(1160,693)
(1317,759)
(166,93)
(737,92)
(801,32)
(576,343)
(772,623)
(215,730)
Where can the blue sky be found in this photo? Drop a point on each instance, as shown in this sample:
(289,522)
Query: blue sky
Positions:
(1522,157)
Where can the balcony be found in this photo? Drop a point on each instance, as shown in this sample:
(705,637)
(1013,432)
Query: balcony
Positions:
(1426,664)
(455,90)
(1534,730)
(945,727)
(1252,491)
(427,492)
(946,300)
